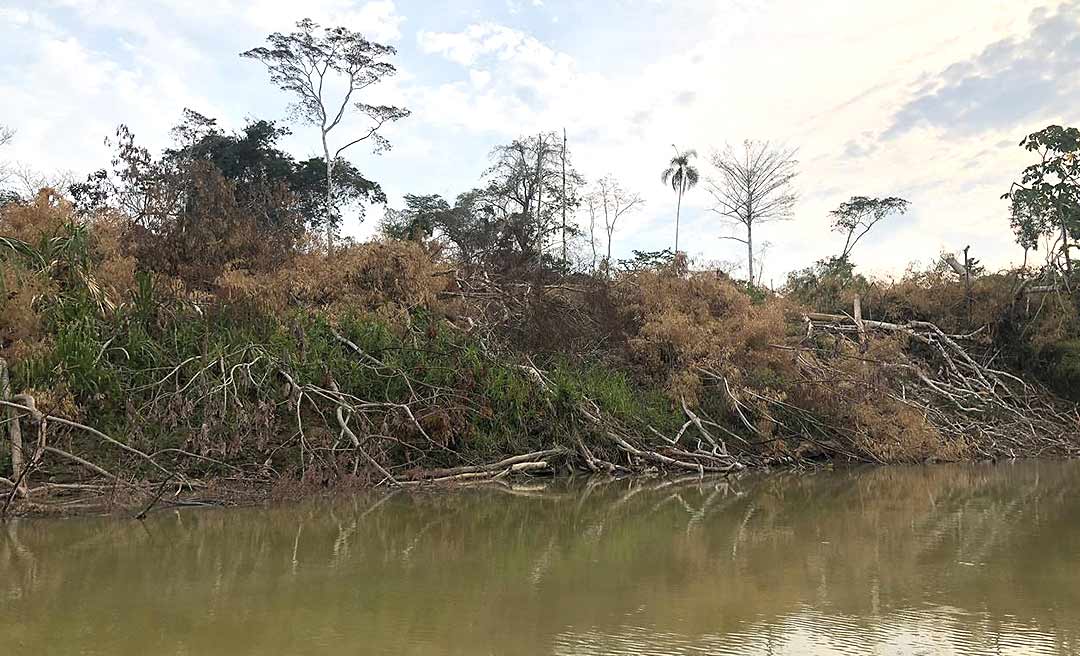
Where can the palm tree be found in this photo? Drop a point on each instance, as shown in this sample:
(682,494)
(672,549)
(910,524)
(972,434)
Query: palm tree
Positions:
(681,175)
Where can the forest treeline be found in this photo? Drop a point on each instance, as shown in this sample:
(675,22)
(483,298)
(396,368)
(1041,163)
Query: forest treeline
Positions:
(190,323)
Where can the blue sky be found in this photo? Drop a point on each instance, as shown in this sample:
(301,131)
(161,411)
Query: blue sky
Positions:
(922,99)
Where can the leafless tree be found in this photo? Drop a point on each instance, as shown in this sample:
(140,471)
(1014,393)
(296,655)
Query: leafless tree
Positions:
(592,206)
(753,186)
(615,202)
(308,64)
(6,136)
(29,181)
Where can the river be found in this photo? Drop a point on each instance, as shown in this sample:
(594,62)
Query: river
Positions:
(944,559)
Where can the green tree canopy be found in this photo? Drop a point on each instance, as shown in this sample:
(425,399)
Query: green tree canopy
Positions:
(1045,202)
(856,216)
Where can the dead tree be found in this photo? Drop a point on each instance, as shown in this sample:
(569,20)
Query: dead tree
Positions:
(615,202)
(753,186)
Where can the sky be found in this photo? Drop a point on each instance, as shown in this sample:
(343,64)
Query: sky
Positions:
(927,100)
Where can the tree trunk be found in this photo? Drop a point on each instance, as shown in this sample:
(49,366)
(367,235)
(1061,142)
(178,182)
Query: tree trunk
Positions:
(329,197)
(14,431)
(539,198)
(564,198)
(607,259)
(678,210)
(592,233)
(750,252)
(1065,248)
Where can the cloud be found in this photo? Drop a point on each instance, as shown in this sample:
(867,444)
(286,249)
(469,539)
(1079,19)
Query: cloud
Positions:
(1009,81)
(828,78)
(514,81)
(879,100)
(378,20)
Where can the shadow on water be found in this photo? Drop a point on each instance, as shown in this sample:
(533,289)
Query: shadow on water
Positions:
(941,559)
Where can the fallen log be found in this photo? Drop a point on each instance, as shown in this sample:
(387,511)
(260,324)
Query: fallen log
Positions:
(435,475)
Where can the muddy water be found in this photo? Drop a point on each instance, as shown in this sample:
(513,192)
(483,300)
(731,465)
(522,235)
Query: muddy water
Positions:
(930,560)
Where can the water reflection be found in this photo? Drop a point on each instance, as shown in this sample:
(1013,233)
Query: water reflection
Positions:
(944,559)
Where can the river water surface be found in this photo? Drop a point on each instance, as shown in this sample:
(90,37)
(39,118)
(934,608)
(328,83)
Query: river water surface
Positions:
(979,559)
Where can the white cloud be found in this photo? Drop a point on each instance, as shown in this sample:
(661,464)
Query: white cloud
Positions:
(829,77)
(378,20)
(479,78)
(72,87)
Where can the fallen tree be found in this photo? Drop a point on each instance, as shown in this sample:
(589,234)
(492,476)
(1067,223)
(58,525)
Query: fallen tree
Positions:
(993,411)
(383,365)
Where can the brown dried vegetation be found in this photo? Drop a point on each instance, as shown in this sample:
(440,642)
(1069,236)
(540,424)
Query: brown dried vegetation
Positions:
(209,349)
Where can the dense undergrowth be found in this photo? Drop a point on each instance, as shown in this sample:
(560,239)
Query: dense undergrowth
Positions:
(388,361)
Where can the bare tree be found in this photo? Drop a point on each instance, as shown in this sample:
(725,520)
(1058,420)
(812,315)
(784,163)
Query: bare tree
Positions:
(753,187)
(6,137)
(615,201)
(309,64)
(592,206)
(29,181)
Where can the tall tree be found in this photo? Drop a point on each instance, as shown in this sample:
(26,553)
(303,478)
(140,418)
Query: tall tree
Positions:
(308,64)
(525,188)
(615,201)
(1046,200)
(856,216)
(682,176)
(753,187)
(564,204)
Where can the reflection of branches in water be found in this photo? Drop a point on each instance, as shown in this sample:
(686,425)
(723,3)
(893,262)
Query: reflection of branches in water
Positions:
(543,563)
(741,530)
(866,544)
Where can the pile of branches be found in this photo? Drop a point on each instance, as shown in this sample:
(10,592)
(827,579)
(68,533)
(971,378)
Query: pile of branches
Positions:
(59,464)
(315,426)
(508,313)
(952,381)
(646,453)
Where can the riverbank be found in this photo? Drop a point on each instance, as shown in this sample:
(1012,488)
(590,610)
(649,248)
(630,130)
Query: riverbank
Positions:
(388,364)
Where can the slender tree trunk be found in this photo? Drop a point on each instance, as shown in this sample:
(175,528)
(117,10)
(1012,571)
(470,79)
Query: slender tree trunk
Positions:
(1065,248)
(539,198)
(609,230)
(564,198)
(329,197)
(967,284)
(750,252)
(592,233)
(678,210)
